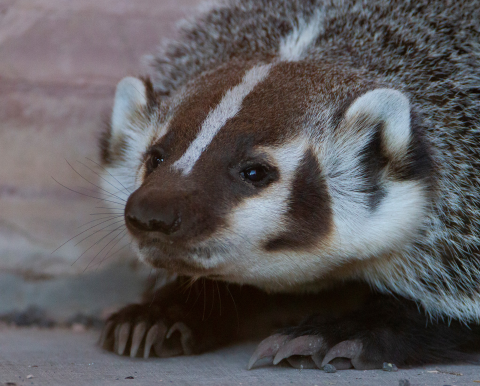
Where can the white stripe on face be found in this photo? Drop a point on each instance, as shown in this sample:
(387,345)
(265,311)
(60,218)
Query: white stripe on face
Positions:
(228,107)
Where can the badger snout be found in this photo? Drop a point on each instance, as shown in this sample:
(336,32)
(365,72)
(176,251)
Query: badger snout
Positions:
(150,211)
(170,228)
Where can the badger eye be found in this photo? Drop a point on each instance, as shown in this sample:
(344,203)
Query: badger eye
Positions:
(155,158)
(255,174)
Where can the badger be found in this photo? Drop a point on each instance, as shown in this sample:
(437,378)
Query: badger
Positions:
(279,149)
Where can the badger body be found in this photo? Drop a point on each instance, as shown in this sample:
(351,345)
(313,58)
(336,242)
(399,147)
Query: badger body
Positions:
(292,145)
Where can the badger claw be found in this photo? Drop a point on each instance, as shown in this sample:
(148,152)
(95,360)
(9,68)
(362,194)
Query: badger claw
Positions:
(267,348)
(300,352)
(122,337)
(137,337)
(352,350)
(186,339)
(155,336)
(303,345)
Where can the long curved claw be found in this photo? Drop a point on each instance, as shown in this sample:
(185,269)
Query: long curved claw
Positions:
(186,337)
(152,335)
(347,349)
(158,346)
(303,345)
(267,348)
(350,349)
(123,335)
(137,337)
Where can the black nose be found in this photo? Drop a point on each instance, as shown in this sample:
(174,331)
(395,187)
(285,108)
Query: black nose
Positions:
(149,212)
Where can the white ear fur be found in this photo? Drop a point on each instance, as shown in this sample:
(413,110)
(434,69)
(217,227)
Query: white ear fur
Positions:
(130,95)
(393,108)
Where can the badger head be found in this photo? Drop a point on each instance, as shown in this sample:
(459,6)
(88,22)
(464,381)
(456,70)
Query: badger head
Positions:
(275,175)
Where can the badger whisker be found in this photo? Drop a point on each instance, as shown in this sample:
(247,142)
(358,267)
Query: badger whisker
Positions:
(103,248)
(96,163)
(111,218)
(91,183)
(112,215)
(219,298)
(97,242)
(101,229)
(87,195)
(107,253)
(112,255)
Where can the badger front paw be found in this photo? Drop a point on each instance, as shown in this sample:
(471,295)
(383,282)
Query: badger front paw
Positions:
(385,329)
(143,330)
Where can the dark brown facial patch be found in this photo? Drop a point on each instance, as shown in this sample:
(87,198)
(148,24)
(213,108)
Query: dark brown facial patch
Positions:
(309,211)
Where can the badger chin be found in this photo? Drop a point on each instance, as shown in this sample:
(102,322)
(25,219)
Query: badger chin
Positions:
(176,259)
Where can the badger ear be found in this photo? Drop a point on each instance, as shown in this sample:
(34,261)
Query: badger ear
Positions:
(130,96)
(392,109)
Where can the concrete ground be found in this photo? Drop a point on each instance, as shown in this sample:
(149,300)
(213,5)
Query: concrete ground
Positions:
(32,356)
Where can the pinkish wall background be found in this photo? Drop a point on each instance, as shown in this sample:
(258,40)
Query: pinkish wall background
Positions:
(59,63)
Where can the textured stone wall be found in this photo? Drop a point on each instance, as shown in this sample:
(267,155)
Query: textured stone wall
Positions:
(59,63)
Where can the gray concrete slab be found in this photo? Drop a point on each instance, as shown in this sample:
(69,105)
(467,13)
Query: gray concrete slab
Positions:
(64,296)
(30,356)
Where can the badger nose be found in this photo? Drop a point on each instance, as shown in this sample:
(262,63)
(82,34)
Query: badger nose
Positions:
(149,212)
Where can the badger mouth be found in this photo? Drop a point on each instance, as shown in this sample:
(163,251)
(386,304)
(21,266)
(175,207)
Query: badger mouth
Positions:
(190,261)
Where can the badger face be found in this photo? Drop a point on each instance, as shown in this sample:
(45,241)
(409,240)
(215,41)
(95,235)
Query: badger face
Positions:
(268,174)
